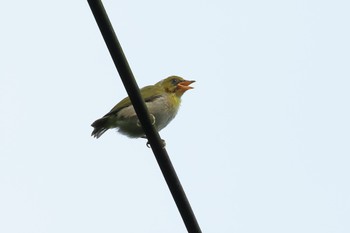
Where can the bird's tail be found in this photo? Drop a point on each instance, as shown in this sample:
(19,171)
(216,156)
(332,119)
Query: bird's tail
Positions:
(100,127)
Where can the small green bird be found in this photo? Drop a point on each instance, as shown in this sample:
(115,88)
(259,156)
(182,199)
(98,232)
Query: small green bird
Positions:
(162,100)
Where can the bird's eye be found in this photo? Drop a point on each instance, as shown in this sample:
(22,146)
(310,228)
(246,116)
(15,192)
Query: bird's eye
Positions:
(175,81)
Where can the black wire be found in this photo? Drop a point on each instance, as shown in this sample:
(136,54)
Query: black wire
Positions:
(154,139)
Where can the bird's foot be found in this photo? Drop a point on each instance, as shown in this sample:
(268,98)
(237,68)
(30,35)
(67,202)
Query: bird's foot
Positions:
(149,145)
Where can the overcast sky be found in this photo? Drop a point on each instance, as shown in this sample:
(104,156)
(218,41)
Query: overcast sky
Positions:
(260,145)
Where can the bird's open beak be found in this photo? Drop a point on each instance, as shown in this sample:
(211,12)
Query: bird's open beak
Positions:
(184,85)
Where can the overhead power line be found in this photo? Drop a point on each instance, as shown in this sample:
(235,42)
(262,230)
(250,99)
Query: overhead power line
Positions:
(153,137)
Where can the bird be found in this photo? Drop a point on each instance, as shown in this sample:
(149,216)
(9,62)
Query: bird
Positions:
(162,99)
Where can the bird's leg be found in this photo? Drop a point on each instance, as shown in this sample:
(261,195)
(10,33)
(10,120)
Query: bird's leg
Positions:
(153,120)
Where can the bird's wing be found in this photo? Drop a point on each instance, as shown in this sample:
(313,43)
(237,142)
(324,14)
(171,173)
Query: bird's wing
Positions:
(148,93)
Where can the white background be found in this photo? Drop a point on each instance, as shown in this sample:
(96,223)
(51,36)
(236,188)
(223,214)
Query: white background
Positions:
(260,145)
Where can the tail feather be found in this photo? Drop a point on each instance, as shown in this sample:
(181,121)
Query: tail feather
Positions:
(100,127)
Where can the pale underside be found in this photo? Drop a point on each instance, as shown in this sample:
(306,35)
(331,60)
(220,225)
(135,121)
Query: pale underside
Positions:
(160,108)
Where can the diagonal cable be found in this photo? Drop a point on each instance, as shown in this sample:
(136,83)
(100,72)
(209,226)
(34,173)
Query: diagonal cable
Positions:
(154,139)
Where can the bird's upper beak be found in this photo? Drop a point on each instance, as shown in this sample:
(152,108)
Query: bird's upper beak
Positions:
(184,85)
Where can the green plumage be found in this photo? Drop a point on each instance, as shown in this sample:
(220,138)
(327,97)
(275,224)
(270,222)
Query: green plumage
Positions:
(162,100)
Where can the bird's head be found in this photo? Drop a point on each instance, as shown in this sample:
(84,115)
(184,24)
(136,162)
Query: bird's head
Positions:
(175,84)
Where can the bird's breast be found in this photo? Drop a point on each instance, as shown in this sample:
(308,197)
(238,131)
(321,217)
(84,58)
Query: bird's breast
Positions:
(164,109)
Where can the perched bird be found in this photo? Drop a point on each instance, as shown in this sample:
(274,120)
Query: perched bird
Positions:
(162,100)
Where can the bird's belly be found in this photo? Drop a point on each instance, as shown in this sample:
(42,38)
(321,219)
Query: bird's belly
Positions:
(163,112)
(130,127)
(161,109)
(163,119)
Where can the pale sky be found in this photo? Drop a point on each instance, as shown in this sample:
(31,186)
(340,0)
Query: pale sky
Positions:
(260,145)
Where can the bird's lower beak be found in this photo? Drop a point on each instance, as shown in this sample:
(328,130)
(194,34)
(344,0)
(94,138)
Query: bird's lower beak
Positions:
(184,85)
